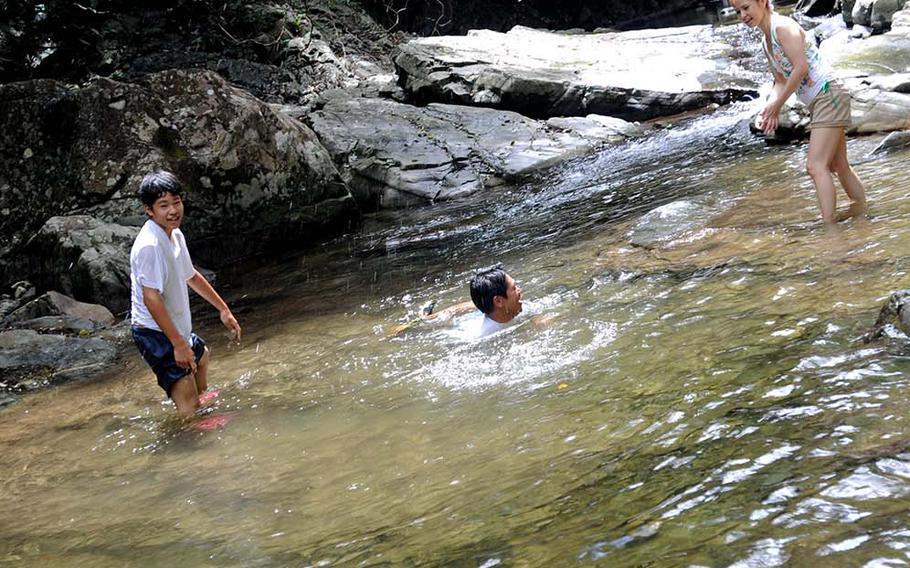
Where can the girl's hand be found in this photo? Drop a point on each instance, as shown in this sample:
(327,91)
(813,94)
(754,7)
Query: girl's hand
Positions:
(769,119)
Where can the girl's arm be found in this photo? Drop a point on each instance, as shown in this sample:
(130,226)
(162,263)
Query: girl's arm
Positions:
(792,39)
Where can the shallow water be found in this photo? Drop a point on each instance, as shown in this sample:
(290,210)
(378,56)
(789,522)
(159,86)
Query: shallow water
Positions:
(708,402)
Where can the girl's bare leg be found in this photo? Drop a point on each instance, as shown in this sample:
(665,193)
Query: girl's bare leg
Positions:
(851,183)
(823,146)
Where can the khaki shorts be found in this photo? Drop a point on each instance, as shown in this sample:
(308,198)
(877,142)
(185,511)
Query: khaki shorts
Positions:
(831,108)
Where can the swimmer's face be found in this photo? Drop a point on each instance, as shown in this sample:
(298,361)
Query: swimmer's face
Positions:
(750,12)
(512,300)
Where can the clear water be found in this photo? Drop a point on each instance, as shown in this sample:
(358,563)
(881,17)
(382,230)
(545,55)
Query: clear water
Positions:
(708,402)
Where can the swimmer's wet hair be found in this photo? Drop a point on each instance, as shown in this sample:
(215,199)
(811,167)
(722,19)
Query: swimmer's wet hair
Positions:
(486,284)
(157,184)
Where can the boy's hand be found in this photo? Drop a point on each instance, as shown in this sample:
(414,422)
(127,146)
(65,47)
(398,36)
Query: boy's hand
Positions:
(230,322)
(184,356)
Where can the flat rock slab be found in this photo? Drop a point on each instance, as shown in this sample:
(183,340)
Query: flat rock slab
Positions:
(633,75)
(397,154)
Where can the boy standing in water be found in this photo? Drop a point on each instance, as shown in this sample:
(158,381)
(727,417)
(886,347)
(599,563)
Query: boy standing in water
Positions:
(160,271)
(798,68)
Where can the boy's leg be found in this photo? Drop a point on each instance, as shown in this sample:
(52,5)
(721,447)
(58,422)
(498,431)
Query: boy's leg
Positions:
(184,395)
(823,144)
(851,183)
(202,373)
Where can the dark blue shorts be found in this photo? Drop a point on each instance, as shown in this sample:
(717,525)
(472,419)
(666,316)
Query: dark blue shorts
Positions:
(158,352)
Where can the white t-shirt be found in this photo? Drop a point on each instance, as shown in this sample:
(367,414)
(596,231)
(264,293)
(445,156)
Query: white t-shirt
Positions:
(489,326)
(165,265)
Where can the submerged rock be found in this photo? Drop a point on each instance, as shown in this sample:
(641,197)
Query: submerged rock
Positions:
(894,141)
(673,220)
(398,154)
(894,316)
(631,75)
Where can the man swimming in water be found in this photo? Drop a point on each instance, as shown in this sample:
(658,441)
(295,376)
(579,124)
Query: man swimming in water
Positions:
(495,294)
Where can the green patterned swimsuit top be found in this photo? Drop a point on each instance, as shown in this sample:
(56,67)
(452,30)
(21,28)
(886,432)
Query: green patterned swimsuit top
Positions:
(819,73)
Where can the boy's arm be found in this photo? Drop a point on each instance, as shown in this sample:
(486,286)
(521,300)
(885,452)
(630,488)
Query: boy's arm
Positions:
(450,312)
(202,287)
(154,302)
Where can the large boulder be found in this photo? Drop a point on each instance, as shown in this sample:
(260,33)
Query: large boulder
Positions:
(630,75)
(397,154)
(29,360)
(876,14)
(252,176)
(84,257)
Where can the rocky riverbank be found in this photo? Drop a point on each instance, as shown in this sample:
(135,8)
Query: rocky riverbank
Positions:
(277,156)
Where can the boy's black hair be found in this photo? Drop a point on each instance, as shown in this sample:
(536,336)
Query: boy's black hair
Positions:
(486,284)
(156,184)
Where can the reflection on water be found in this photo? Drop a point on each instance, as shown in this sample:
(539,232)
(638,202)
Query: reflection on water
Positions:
(703,401)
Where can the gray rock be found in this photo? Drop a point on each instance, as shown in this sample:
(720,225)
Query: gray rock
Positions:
(29,360)
(6,399)
(847,11)
(894,141)
(23,291)
(66,325)
(815,8)
(898,82)
(398,154)
(86,258)
(8,306)
(253,176)
(56,304)
(632,75)
(894,315)
(882,13)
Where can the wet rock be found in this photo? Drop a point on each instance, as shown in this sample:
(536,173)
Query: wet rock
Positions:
(65,325)
(23,291)
(894,317)
(8,306)
(631,75)
(29,360)
(815,8)
(399,154)
(55,304)
(876,110)
(84,257)
(253,177)
(876,14)
(894,141)
(6,398)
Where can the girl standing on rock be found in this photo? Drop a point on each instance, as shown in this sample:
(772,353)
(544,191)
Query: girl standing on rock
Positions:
(797,67)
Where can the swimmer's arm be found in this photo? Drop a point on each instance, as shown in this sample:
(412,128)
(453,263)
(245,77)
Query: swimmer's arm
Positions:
(450,312)
(202,287)
(542,320)
(154,303)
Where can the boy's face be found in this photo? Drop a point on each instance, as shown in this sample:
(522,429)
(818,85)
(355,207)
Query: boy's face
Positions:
(511,302)
(167,212)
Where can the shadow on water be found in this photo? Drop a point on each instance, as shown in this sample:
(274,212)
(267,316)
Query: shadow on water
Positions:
(703,398)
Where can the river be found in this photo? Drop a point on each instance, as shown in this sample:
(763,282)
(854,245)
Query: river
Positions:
(706,402)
